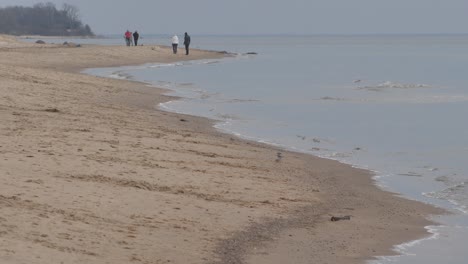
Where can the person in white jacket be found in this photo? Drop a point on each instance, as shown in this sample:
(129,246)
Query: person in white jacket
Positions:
(175,43)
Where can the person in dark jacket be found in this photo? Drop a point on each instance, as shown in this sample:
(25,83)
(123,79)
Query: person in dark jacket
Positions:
(136,36)
(186,43)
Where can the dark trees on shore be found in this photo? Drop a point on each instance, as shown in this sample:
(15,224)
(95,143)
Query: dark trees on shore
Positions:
(43,19)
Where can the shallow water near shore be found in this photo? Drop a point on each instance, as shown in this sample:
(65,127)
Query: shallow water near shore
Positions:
(391,104)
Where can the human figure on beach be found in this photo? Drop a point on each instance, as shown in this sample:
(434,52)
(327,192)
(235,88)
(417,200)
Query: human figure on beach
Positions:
(128,37)
(175,43)
(186,43)
(136,36)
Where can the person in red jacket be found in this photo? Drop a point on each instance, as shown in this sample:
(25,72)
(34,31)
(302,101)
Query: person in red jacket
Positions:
(128,37)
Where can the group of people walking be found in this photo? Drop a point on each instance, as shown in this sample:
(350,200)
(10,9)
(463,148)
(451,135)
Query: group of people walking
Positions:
(131,39)
(175,43)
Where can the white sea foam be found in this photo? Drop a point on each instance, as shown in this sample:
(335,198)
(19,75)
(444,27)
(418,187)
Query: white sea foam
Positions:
(120,75)
(185,63)
(404,249)
(395,85)
(167,107)
(455,194)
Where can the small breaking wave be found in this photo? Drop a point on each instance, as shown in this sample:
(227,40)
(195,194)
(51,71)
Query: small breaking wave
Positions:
(228,117)
(392,85)
(332,98)
(404,249)
(120,75)
(164,65)
(242,100)
(184,63)
(455,194)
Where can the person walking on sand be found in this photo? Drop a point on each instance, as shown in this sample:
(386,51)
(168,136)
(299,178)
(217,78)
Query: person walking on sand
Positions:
(186,43)
(175,43)
(128,37)
(131,39)
(136,36)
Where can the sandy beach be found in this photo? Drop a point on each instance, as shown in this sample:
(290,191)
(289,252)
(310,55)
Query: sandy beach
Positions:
(92,172)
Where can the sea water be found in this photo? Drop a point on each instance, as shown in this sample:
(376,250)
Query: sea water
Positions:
(395,105)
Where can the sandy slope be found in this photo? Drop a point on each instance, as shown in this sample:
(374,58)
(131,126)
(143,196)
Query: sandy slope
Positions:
(91,172)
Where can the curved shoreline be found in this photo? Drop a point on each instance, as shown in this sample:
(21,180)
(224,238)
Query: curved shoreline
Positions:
(284,205)
(261,233)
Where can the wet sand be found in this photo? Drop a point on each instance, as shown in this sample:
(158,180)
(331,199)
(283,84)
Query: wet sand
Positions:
(92,172)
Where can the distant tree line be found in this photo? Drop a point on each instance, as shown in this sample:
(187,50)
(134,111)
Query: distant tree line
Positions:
(43,19)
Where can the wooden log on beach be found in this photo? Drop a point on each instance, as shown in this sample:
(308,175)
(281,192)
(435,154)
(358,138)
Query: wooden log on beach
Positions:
(338,218)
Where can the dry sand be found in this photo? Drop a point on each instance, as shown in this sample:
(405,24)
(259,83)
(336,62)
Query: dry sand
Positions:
(92,172)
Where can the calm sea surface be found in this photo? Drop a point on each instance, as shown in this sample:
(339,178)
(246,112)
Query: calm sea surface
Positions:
(396,105)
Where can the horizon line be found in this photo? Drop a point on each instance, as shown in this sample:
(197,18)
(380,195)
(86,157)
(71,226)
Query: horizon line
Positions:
(300,34)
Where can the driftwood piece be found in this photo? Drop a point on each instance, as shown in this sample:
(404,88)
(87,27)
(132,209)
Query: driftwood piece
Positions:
(338,218)
(52,110)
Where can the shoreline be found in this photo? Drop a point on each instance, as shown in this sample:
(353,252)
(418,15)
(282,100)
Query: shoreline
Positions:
(188,169)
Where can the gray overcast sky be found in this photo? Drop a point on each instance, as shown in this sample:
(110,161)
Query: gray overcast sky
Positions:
(270,16)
